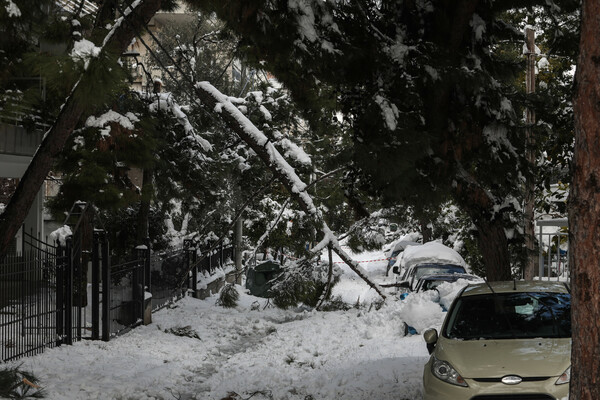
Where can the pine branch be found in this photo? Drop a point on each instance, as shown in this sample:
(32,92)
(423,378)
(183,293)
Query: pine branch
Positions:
(271,226)
(256,140)
(248,132)
(218,242)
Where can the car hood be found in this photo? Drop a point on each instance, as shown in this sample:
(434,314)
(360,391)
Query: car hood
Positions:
(498,358)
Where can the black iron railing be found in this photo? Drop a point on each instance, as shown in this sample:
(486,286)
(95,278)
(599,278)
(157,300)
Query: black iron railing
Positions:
(36,307)
(47,298)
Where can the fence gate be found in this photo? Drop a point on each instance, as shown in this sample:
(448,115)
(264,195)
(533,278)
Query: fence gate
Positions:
(36,299)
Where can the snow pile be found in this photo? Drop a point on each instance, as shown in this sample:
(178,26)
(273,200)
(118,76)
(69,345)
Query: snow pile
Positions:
(430,253)
(197,350)
(84,50)
(399,245)
(424,310)
(449,290)
(60,235)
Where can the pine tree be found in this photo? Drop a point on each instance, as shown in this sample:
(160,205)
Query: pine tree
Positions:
(82,97)
(424,82)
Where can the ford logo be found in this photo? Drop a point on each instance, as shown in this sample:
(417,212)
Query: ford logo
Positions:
(512,380)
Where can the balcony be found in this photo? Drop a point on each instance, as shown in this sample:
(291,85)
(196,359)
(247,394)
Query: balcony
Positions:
(21,128)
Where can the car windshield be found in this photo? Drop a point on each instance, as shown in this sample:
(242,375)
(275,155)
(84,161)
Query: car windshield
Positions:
(430,284)
(510,316)
(433,269)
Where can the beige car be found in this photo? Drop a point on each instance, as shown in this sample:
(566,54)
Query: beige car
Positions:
(502,341)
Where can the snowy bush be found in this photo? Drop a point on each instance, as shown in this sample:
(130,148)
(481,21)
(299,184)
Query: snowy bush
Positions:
(301,283)
(335,304)
(229,296)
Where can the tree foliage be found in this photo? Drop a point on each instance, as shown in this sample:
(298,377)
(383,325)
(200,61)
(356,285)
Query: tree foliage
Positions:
(429,91)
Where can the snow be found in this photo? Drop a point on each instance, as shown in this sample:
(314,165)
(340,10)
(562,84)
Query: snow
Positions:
(84,50)
(295,152)
(389,111)
(126,121)
(478,25)
(257,349)
(12,10)
(60,235)
(305,19)
(432,253)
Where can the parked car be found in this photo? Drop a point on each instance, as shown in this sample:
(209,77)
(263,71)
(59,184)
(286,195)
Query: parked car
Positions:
(395,250)
(502,340)
(431,282)
(428,259)
(416,272)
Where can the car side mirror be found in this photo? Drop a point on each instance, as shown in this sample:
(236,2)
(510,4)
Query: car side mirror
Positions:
(404,284)
(431,338)
(396,270)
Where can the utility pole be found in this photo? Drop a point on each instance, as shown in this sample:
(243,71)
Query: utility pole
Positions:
(530,155)
(239,247)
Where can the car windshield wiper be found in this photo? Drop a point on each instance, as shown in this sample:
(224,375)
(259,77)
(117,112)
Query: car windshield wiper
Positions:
(497,306)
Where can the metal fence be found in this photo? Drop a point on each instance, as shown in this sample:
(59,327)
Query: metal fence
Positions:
(36,300)
(118,289)
(166,269)
(205,261)
(553,241)
(52,294)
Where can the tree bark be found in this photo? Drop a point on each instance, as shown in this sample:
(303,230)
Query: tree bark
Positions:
(491,236)
(145,202)
(68,118)
(530,154)
(494,249)
(584,213)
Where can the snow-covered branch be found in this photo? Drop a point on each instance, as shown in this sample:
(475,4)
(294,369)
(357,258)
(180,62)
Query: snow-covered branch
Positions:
(259,142)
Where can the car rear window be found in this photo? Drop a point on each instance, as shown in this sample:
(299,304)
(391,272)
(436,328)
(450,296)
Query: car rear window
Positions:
(433,269)
(510,316)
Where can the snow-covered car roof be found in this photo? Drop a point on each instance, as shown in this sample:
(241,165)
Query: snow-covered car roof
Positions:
(430,253)
(399,245)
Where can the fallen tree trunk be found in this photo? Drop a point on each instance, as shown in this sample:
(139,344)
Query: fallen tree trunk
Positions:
(245,129)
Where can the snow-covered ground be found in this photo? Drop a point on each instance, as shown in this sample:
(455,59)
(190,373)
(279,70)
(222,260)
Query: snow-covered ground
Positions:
(256,352)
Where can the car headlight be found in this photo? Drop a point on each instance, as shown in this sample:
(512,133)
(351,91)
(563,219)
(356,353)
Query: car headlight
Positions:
(444,371)
(564,378)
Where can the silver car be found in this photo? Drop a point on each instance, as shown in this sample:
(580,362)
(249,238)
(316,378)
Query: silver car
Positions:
(502,341)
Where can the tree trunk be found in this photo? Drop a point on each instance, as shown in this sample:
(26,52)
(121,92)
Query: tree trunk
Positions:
(491,236)
(144,212)
(584,213)
(239,247)
(530,153)
(425,230)
(494,249)
(68,118)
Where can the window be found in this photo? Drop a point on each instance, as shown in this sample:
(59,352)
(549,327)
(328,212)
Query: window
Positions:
(510,316)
